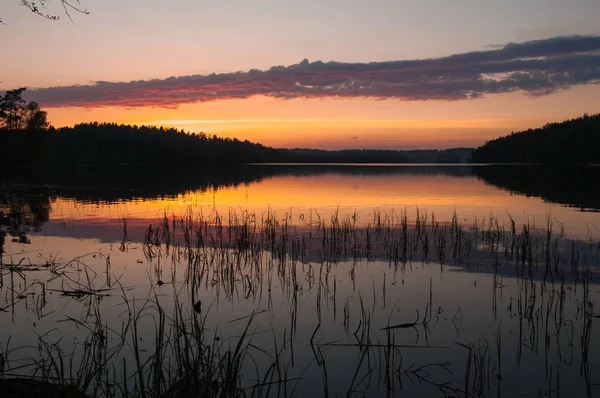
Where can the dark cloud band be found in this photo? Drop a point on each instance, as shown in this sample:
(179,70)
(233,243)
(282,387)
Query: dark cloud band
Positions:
(538,67)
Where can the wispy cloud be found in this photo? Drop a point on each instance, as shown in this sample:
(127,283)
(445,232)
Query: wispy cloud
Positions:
(539,67)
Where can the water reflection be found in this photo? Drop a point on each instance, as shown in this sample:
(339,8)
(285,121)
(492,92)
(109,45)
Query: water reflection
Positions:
(102,184)
(316,297)
(127,183)
(100,196)
(368,280)
(577,187)
(21,212)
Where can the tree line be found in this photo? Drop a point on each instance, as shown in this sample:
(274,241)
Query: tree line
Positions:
(111,143)
(572,141)
(28,139)
(118,144)
(17,114)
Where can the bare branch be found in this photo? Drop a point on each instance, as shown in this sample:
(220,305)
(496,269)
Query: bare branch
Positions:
(39,7)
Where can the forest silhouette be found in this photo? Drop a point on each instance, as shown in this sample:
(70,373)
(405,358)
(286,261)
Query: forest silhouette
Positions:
(114,144)
(28,140)
(108,143)
(572,141)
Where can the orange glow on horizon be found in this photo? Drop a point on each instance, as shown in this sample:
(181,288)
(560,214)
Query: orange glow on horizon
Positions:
(352,123)
(324,193)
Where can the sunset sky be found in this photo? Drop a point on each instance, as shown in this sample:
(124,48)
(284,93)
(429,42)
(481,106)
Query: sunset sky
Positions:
(327,74)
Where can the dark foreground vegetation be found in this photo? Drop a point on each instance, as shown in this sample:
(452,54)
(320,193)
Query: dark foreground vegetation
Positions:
(248,255)
(571,141)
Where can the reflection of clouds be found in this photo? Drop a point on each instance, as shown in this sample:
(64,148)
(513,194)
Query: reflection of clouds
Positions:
(536,67)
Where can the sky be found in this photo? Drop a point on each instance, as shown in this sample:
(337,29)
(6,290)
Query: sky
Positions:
(325,74)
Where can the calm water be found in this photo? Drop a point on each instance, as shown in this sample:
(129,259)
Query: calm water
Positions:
(379,280)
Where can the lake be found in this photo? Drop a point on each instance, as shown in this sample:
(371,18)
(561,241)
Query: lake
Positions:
(290,280)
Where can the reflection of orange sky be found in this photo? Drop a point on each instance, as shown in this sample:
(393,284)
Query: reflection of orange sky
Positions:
(353,123)
(324,193)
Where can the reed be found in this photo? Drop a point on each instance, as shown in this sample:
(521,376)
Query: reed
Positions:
(167,344)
